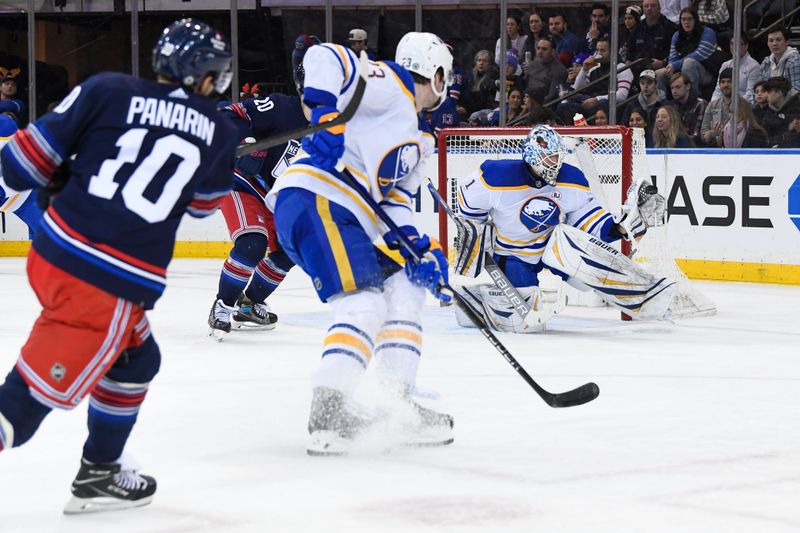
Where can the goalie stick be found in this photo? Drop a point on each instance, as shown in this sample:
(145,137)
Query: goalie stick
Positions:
(498,276)
(583,394)
(344,116)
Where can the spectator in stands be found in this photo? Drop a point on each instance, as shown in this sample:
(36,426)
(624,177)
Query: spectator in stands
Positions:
(598,27)
(513,73)
(8,101)
(532,112)
(565,41)
(712,13)
(630,23)
(717,112)
(638,119)
(749,133)
(749,70)
(516,40)
(672,8)
(692,46)
(653,37)
(545,73)
(650,98)
(783,108)
(514,106)
(568,85)
(594,68)
(481,88)
(690,108)
(760,104)
(600,117)
(537,30)
(783,61)
(357,39)
(668,130)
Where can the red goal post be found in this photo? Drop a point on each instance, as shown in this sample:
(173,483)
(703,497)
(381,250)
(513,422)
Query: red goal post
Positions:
(615,152)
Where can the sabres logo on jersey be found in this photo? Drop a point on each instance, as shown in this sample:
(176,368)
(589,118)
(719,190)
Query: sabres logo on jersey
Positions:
(396,165)
(539,213)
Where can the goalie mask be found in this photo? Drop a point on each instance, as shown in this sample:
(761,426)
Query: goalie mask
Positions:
(425,54)
(544,151)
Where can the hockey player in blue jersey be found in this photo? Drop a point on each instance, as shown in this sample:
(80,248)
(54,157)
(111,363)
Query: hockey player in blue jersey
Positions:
(146,153)
(329,231)
(23,204)
(540,212)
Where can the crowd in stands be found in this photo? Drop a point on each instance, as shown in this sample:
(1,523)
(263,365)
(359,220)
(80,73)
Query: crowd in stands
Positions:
(674,77)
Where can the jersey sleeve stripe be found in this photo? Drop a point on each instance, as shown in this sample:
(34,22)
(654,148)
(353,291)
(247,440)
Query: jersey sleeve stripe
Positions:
(602,220)
(332,48)
(353,71)
(587,214)
(239,109)
(591,220)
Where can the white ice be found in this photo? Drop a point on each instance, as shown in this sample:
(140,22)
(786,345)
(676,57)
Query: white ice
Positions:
(697,427)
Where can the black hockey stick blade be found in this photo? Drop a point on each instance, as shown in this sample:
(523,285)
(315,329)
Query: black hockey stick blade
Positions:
(344,116)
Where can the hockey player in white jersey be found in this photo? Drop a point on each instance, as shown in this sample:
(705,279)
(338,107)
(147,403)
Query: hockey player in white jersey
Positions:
(543,214)
(327,229)
(22,203)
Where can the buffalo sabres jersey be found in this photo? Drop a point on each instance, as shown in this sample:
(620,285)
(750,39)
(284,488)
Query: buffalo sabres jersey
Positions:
(277,113)
(10,199)
(384,143)
(144,153)
(509,192)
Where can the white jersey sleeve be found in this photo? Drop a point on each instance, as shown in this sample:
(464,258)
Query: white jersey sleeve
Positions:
(474,198)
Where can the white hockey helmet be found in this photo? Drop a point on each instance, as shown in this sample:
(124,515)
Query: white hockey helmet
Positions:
(544,151)
(425,54)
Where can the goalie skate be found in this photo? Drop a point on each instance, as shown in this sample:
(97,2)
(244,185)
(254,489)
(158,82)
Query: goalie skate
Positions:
(108,487)
(251,315)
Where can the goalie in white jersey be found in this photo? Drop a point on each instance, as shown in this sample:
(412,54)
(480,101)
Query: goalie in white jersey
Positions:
(327,229)
(540,213)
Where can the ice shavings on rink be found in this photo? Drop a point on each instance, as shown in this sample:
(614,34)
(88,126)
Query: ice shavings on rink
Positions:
(697,426)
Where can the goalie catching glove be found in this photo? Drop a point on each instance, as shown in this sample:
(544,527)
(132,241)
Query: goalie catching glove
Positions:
(430,271)
(644,208)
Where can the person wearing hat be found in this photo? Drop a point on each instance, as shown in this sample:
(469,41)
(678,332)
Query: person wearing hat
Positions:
(357,39)
(649,99)
(652,38)
(718,111)
(8,101)
(630,21)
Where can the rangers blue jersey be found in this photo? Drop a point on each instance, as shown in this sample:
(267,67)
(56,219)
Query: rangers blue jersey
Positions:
(277,113)
(140,155)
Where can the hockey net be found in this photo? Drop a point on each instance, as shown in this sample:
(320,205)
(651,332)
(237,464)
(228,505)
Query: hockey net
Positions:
(611,157)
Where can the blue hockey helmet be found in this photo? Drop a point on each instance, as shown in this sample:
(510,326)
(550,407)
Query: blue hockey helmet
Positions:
(188,50)
(301,46)
(544,151)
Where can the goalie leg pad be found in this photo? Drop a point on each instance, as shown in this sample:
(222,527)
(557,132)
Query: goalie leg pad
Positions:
(500,314)
(620,281)
(473,241)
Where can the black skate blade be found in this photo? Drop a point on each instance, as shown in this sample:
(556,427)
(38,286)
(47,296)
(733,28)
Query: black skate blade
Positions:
(102,504)
(429,444)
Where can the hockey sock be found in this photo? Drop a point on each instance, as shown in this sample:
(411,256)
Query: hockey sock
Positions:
(115,401)
(248,250)
(20,414)
(268,275)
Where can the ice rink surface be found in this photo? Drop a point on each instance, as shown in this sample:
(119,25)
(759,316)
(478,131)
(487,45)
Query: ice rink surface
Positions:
(697,427)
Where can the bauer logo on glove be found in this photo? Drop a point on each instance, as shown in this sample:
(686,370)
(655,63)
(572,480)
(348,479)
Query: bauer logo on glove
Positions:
(540,213)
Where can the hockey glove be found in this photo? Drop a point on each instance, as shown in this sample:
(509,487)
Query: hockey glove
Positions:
(325,147)
(431,270)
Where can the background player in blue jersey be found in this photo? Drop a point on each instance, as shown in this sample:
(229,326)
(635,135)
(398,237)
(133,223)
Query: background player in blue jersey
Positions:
(145,154)
(22,203)
(542,213)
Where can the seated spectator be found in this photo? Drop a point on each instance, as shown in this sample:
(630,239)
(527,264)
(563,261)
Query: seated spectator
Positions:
(600,117)
(712,13)
(690,108)
(594,68)
(566,42)
(783,60)
(760,104)
(749,70)
(514,107)
(668,130)
(650,98)
(8,102)
(630,23)
(692,46)
(783,108)
(717,112)
(513,74)
(749,133)
(568,85)
(638,119)
(533,112)
(545,73)
(598,27)
(481,88)
(536,31)
(672,8)
(516,40)
(652,38)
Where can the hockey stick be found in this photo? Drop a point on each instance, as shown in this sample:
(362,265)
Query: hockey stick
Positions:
(344,116)
(583,394)
(498,276)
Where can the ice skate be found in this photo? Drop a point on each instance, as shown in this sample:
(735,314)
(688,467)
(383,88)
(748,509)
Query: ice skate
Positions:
(331,426)
(108,487)
(424,427)
(219,320)
(253,315)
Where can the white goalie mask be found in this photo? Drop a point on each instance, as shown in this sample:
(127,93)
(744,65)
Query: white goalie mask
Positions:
(544,151)
(425,54)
